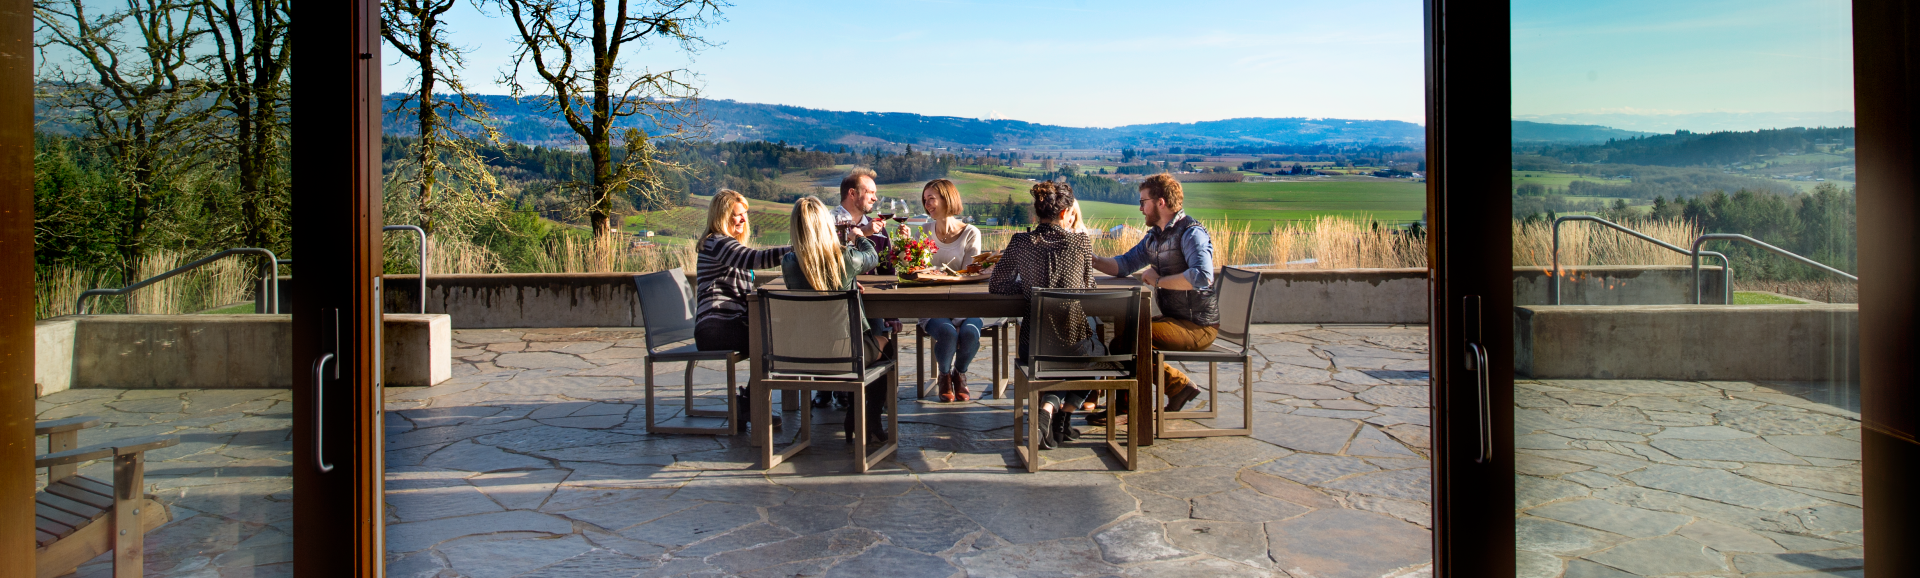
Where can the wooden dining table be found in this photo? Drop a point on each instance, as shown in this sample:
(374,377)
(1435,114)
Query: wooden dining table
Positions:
(884,297)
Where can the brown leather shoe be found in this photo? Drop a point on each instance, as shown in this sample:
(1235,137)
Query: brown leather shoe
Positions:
(1179,399)
(959,383)
(945,386)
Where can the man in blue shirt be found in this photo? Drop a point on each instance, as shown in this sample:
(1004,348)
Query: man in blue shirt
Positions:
(1177,256)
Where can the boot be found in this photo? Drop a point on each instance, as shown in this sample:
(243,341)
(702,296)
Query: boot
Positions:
(959,383)
(1063,427)
(1046,418)
(876,417)
(743,404)
(1120,411)
(945,386)
(1180,390)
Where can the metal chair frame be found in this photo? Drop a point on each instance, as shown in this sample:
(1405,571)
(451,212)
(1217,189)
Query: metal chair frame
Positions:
(1232,329)
(669,321)
(998,349)
(1030,381)
(854,381)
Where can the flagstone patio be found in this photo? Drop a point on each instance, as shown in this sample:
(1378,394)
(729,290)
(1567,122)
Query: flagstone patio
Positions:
(533,461)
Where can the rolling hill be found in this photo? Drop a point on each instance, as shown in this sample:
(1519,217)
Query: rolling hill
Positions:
(526,122)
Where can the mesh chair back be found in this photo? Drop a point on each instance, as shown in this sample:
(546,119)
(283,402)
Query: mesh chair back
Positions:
(1236,289)
(1059,338)
(666,307)
(813,333)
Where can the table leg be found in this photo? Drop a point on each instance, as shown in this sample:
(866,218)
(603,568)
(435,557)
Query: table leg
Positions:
(753,367)
(1142,421)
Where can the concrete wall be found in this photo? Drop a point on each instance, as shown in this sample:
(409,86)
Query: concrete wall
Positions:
(1342,296)
(1400,295)
(1286,295)
(212,351)
(1619,285)
(53,354)
(183,351)
(521,299)
(1817,342)
(419,349)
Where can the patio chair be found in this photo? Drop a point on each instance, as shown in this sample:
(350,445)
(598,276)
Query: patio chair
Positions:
(1236,294)
(991,329)
(666,303)
(1047,363)
(77,517)
(811,341)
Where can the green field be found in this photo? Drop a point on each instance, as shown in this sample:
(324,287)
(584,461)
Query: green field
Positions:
(1382,199)
(1550,180)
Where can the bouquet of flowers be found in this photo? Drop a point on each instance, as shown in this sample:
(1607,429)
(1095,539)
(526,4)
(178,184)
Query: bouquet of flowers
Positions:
(908,254)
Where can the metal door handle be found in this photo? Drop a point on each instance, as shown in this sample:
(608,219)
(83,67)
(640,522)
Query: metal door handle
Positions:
(319,401)
(1483,381)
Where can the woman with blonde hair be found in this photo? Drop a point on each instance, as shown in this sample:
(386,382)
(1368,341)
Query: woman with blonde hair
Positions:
(724,278)
(820,262)
(956,340)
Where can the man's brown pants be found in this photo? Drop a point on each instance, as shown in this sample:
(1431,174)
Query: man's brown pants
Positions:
(1177,335)
(1180,335)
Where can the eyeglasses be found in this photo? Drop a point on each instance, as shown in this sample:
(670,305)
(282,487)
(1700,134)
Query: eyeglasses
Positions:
(1143,202)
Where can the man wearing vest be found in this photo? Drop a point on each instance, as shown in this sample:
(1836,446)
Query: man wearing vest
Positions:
(1177,256)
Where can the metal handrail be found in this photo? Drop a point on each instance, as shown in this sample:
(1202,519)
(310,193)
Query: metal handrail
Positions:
(1761,244)
(1726,265)
(423,259)
(267,287)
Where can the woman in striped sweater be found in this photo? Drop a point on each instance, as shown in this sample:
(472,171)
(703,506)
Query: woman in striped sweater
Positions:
(726,274)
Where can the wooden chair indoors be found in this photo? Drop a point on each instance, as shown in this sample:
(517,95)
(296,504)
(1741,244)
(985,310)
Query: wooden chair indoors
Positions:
(77,517)
(666,309)
(811,341)
(1235,289)
(1048,363)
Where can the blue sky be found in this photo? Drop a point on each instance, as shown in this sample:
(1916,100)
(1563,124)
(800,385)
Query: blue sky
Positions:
(1110,63)
(1066,62)
(1665,57)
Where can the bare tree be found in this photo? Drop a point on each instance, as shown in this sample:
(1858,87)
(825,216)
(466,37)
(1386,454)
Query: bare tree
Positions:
(575,47)
(126,75)
(413,27)
(248,65)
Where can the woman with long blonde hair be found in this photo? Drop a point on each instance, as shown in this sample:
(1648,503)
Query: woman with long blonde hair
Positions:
(725,276)
(821,262)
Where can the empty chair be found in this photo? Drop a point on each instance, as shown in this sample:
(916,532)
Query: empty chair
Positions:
(1235,291)
(1060,351)
(812,341)
(77,517)
(666,303)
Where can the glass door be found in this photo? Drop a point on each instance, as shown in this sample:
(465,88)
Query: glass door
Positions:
(1686,395)
(178,385)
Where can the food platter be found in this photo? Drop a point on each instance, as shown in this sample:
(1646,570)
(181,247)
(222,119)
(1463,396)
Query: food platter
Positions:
(978,272)
(928,279)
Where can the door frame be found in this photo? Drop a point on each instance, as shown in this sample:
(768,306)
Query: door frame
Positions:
(338,228)
(336,301)
(1471,254)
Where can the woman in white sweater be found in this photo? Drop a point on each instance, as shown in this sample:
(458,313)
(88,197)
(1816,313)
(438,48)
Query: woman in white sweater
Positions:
(955,340)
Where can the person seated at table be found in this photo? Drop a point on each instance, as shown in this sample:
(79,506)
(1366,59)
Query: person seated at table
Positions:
(956,340)
(858,195)
(724,278)
(1177,255)
(820,262)
(1050,257)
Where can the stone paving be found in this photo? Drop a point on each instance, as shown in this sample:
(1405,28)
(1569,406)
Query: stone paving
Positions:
(228,484)
(1658,478)
(534,461)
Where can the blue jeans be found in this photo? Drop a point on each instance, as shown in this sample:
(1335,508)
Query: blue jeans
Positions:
(953,347)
